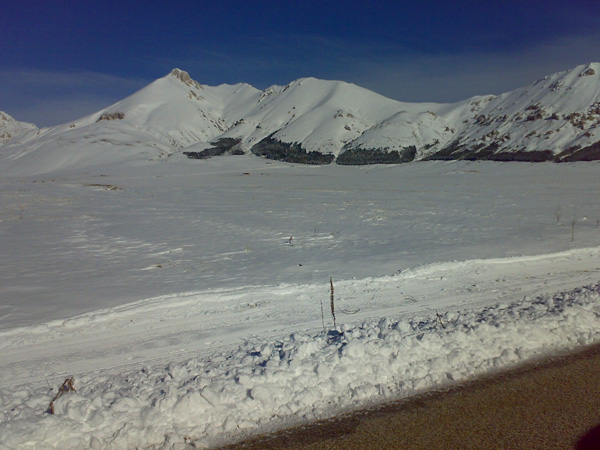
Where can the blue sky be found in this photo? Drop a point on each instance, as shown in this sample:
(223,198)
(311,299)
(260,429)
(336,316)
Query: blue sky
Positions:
(61,60)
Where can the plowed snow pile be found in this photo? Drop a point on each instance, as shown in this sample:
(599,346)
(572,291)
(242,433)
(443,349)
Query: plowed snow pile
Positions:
(265,383)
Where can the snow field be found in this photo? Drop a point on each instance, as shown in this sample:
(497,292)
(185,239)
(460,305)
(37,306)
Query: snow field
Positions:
(264,384)
(185,226)
(172,294)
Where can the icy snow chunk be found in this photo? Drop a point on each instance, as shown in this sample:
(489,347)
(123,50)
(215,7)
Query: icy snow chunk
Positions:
(190,406)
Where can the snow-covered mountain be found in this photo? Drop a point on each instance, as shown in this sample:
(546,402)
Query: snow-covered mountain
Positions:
(555,118)
(162,118)
(318,121)
(13,129)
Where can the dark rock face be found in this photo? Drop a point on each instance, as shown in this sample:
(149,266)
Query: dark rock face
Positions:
(359,156)
(271,148)
(221,147)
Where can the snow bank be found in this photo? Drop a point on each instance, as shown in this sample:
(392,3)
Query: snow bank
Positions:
(265,384)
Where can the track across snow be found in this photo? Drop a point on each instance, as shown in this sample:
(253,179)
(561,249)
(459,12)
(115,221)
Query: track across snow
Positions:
(187,324)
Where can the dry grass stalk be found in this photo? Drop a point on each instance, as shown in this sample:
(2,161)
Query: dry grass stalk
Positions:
(440,320)
(332,301)
(67,386)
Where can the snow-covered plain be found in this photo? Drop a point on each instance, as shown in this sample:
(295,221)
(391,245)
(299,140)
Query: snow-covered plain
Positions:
(185,297)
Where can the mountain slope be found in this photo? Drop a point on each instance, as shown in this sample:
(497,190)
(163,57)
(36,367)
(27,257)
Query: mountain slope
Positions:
(13,129)
(176,114)
(321,115)
(161,118)
(555,118)
(318,121)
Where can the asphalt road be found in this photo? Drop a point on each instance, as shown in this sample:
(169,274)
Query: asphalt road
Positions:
(546,405)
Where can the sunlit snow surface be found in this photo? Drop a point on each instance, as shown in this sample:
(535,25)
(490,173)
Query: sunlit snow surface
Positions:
(173,292)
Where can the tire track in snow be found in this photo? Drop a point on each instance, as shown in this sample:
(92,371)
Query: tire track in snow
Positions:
(196,323)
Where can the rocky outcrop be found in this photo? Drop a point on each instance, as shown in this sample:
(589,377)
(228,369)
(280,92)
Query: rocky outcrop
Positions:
(272,148)
(185,78)
(360,156)
(11,128)
(111,116)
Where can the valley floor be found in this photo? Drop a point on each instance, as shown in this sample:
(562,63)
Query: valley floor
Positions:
(190,301)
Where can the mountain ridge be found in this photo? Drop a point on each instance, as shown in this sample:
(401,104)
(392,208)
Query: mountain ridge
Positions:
(13,129)
(314,121)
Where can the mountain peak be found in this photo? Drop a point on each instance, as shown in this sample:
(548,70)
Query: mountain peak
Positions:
(4,117)
(185,78)
(11,128)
